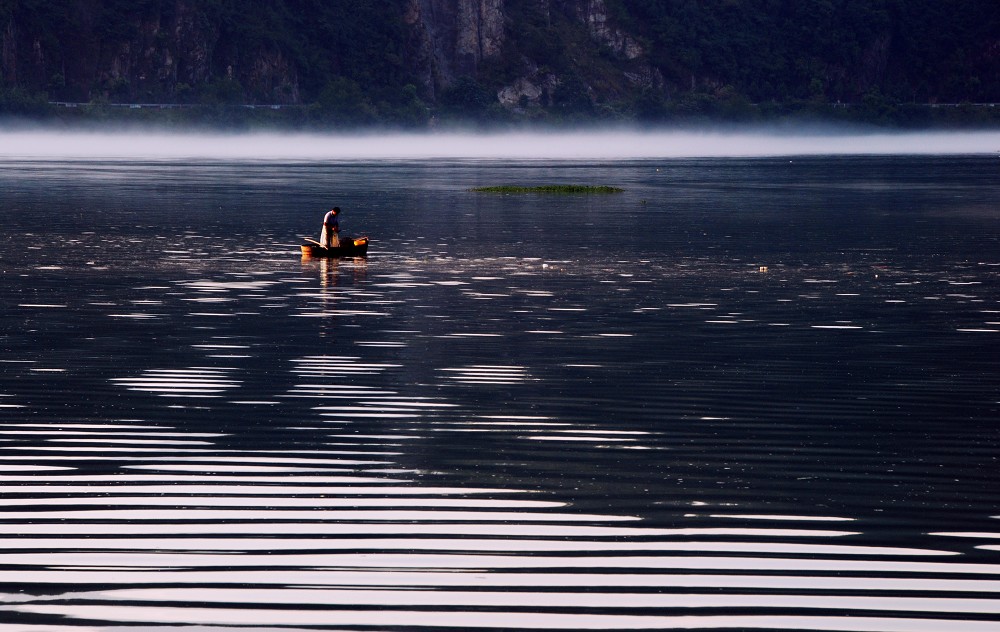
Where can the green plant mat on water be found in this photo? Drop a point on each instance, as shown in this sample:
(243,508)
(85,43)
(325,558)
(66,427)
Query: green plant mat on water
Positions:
(548,188)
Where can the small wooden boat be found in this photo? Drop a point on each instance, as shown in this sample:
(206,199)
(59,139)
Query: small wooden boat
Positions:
(349,247)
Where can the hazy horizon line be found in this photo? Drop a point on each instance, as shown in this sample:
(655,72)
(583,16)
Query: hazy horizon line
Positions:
(612,144)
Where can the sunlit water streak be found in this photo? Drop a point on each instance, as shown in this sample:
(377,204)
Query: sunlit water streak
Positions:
(693,432)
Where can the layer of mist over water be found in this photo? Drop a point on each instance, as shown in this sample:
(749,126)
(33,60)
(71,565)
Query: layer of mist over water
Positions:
(606,145)
(745,393)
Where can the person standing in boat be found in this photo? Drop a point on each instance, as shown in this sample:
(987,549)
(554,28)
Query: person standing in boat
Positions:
(331,229)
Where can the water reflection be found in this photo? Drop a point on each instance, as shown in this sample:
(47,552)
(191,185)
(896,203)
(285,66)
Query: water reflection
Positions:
(315,546)
(192,382)
(457,432)
(220,540)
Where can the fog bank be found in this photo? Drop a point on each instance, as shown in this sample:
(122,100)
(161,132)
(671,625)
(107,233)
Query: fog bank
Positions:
(597,145)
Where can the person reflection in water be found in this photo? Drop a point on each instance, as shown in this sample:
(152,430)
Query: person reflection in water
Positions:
(331,229)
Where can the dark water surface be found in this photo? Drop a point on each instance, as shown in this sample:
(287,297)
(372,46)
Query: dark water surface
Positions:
(743,394)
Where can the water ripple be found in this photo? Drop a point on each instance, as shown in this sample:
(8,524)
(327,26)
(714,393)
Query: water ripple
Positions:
(754,411)
(193,382)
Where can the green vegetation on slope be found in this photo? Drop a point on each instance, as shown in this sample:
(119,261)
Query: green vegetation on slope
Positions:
(825,50)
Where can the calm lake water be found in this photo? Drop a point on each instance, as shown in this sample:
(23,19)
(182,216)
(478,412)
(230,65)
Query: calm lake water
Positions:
(742,394)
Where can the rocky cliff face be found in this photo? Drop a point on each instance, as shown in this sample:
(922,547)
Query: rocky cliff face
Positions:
(450,38)
(177,53)
(594,13)
(627,69)
(453,38)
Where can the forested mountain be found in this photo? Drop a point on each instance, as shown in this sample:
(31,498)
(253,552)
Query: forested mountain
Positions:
(417,61)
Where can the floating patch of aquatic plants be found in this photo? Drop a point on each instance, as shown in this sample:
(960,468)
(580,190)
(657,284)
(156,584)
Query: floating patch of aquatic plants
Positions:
(549,188)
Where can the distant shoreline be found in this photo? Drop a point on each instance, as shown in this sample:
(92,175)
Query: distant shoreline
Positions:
(306,117)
